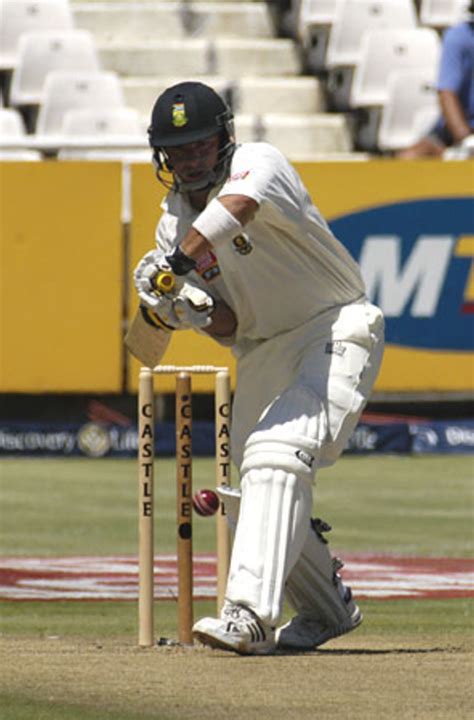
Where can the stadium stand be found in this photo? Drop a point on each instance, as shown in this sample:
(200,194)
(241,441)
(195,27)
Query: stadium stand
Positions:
(12,127)
(19,16)
(233,47)
(383,52)
(441,13)
(65,91)
(307,75)
(121,125)
(353,19)
(411,108)
(38,54)
(312,21)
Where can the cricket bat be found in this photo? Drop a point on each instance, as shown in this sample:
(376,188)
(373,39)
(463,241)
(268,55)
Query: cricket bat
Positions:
(144,340)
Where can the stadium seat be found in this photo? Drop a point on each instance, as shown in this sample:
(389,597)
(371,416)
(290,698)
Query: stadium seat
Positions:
(411,109)
(19,16)
(102,121)
(68,90)
(12,127)
(442,13)
(39,53)
(354,18)
(100,126)
(314,20)
(383,52)
(463,151)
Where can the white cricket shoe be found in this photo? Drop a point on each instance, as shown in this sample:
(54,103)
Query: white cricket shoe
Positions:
(304,632)
(238,629)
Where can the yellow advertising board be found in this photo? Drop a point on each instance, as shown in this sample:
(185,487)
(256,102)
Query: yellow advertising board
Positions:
(65,254)
(61,277)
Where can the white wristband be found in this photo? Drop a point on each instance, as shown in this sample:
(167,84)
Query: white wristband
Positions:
(217,224)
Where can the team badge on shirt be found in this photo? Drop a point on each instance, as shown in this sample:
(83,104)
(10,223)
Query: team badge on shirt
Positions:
(242,245)
(207,266)
(178,115)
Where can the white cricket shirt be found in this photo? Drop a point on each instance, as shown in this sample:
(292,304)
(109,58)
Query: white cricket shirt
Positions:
(286,267)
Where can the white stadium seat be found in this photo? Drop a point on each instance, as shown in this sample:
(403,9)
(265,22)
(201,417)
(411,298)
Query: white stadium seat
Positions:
(39,53)
(102,122)
(68,90)
(385,51)
(12,127)
(19,16)
(442,13)
(122,124)
(314,20)
(411,109)
(11,123)
(355,18)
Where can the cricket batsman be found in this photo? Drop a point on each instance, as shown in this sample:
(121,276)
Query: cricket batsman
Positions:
(244,255)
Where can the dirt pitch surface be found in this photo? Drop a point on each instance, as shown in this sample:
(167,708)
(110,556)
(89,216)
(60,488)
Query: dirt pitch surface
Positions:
(358,678)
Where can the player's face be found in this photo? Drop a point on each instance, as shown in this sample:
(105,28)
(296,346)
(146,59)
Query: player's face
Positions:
(194,160)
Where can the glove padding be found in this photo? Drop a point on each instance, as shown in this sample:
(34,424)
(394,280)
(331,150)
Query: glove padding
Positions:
(190,308)
(145,275)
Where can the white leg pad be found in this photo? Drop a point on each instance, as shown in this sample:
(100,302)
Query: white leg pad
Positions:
(314,589)
(278,466)
(273,524)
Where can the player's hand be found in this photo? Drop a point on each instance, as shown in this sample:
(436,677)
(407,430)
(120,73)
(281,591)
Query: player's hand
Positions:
(193,307)
(155,282)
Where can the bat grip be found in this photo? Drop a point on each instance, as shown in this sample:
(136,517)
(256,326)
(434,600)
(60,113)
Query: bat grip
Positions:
(165,282)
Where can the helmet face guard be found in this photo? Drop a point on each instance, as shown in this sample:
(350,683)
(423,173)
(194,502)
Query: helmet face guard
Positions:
(187,113)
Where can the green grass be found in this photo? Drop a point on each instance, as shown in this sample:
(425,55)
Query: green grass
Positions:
(99,620)
(14,708)
(391,504)
(79,660)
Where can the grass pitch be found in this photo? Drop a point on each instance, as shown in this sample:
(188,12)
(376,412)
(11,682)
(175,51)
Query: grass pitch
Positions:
(79,660)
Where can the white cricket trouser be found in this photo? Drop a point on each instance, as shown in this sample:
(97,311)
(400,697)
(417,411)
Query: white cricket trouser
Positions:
(337,356)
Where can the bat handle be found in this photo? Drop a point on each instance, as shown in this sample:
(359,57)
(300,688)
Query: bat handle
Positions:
(164,282)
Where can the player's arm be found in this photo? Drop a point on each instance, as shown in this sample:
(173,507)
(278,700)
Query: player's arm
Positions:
(220,222)
(454,115)
(223,322)
(223,219)
(225,216)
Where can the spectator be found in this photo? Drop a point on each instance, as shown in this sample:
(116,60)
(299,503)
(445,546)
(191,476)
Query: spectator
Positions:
(455,91)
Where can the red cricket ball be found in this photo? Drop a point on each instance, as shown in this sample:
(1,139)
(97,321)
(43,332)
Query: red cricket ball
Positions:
(205,502)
